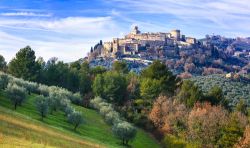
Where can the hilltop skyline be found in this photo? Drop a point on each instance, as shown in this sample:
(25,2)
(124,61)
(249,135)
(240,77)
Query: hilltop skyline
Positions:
(67,29)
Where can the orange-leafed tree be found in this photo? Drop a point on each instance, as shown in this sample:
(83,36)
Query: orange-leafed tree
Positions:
(205,123)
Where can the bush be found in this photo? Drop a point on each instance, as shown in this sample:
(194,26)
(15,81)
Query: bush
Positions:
(42,106)
(75,118)
(16,94)
(124,131)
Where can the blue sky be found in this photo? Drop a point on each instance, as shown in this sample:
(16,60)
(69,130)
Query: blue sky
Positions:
(68,28)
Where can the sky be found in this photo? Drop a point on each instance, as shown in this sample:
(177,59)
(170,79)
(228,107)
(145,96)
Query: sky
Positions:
(68,28)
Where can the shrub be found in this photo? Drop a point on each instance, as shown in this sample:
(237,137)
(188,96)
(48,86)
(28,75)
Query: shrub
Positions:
(16,94)
(124,131)
(75,118)
(42,106)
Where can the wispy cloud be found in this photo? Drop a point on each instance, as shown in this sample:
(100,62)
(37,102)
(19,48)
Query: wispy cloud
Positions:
(67,38)
(220,14)
(26,14)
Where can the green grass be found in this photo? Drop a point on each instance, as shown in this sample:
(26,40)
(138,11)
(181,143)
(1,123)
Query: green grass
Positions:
(93,131)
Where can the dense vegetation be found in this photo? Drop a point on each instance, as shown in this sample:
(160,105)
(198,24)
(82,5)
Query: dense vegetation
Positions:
(233,90)
(179,113)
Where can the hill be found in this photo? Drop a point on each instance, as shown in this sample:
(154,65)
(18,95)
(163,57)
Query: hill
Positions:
(234,90)
(23,127)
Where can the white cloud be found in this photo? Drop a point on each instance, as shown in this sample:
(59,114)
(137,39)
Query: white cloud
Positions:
(26,14)
(66,38)
(71,25)
(222,14)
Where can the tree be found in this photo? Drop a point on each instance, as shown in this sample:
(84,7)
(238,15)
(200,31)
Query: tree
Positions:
(234,130)
(124,131)
(98,85)
(42,106)
(3,80)
(133,87)
(159,71)
(54,102)
(97,70)
(205,123)
(111,86)
(216,97)
(68,110)
(150,88)
(168,115)
(24,65)
(2,63)
(75,118)
(245,141)
(189,93)
(16,94)
(242,107)
(120,67)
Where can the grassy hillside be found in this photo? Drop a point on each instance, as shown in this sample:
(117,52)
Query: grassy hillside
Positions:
(24,127)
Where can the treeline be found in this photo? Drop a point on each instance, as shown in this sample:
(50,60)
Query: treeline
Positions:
(76,76)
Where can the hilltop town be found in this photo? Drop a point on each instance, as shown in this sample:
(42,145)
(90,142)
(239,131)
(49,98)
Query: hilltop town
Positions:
(183,55)
(137,43)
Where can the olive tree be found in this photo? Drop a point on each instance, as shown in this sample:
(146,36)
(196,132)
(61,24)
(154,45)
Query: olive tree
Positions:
(42,106)
(3,80)
(75,118)
(124,131)
(95,103)
(112,117)
(105,109)
(68,110)
(16,94)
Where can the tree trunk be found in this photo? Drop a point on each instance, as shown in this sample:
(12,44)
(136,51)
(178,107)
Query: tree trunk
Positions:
(75,127)
(15,105)
(42,116)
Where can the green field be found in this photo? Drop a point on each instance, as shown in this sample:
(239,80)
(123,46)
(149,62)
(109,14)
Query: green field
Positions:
(24,127)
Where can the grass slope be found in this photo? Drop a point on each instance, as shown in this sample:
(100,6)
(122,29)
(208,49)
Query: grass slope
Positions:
(24,127)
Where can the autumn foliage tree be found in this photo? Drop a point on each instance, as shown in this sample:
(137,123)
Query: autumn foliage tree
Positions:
(245,141)
(168,115)
(205,123)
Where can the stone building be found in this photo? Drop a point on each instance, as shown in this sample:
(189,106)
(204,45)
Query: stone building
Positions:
(133,42)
